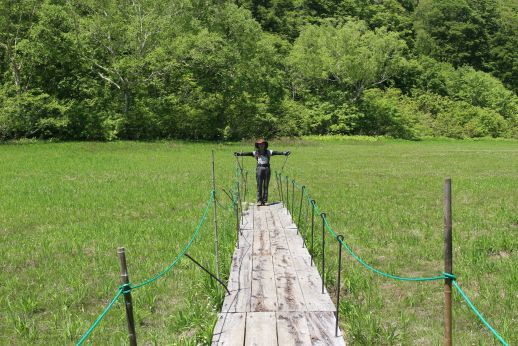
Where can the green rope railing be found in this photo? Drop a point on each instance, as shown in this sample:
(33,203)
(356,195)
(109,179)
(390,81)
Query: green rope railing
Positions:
(100,318)
(400,278)
(177,259)
(475,310)
(128,287)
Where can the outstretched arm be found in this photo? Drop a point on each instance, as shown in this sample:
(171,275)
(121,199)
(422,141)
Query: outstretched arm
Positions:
(249,153)
(287,153)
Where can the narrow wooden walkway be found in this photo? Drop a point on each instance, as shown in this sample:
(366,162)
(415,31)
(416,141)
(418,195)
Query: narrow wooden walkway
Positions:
(276,296)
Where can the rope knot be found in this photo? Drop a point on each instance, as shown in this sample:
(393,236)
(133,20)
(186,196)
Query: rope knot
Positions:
(450,276)
(126,288)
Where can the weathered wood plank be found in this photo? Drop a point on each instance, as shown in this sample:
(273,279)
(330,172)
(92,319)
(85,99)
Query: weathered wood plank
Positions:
(261,329)
(264,294)
(262,263)
(302,262)
(230,329)
(246,238)
(261,245)
(283,261)
(321,326)
(292,329)
(240,282)
(276,294)
(289,293)
(311,287)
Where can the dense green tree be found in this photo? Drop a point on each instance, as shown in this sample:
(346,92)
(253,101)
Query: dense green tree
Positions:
(451,31)
(223,69)
(348,55)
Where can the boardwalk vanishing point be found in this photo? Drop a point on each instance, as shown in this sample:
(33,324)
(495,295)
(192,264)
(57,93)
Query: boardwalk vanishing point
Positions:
(275,292)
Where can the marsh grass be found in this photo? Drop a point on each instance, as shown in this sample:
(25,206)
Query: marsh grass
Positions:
(65,207)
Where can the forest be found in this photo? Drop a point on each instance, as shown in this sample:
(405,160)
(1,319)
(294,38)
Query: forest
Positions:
(228,70)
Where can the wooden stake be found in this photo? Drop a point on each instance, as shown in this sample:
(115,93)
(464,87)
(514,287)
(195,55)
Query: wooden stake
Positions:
(127,297)
(448,262)
(216,238)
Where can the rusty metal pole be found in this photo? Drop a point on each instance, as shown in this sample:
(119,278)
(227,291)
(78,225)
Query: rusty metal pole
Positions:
(340,238)
(287,196)
(240,207)
(448,262)
(216,237)
(293,200)
(246,185)
(127,296)
(281,190)
(323,215)
(236,210)
(277,183)
(300,208)
(312,230)
(305,238)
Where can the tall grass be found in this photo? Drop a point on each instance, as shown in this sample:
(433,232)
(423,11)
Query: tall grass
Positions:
(65,207)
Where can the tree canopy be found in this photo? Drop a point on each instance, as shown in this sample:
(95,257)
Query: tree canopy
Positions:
(221,69)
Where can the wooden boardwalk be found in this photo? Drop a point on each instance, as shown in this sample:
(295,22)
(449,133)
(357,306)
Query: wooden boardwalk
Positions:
(276,294)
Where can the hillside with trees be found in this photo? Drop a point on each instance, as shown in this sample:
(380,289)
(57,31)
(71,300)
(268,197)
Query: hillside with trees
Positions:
(226,70)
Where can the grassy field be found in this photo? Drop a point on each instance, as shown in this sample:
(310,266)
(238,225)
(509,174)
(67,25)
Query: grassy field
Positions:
(65,207)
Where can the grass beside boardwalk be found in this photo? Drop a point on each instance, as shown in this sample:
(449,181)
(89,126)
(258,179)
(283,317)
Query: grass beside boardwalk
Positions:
(65,207)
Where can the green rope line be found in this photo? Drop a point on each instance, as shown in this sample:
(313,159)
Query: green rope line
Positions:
(177,259)
(479,315)
(128,287)
(387,275)
(99,319)
(400,278)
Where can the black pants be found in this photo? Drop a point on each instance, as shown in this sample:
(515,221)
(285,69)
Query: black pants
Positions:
(262,175)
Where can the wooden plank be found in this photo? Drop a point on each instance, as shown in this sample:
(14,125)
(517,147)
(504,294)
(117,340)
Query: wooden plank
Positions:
(295,244)
(229,329)
(283,261)
(289,293)
(311,287)
(278,243)
(264,295)
(292,329)
(302,262)
(262,263)
(261,245)
(240,282)
(321,326)
(246,238)
(275,292)
(261,329)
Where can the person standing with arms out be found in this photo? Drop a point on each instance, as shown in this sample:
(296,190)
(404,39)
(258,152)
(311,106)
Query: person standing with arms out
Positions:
(262,174)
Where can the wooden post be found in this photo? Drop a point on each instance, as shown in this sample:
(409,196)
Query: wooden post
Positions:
(216,238)
(127,297)
(448,262)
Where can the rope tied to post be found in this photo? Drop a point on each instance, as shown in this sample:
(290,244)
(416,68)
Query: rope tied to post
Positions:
(443,275)
(126,288)
(449,276)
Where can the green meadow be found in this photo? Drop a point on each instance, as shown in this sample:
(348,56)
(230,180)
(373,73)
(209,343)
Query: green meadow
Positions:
(66,207)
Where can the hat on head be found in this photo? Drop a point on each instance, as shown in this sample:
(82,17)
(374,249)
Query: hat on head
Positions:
(261,141)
